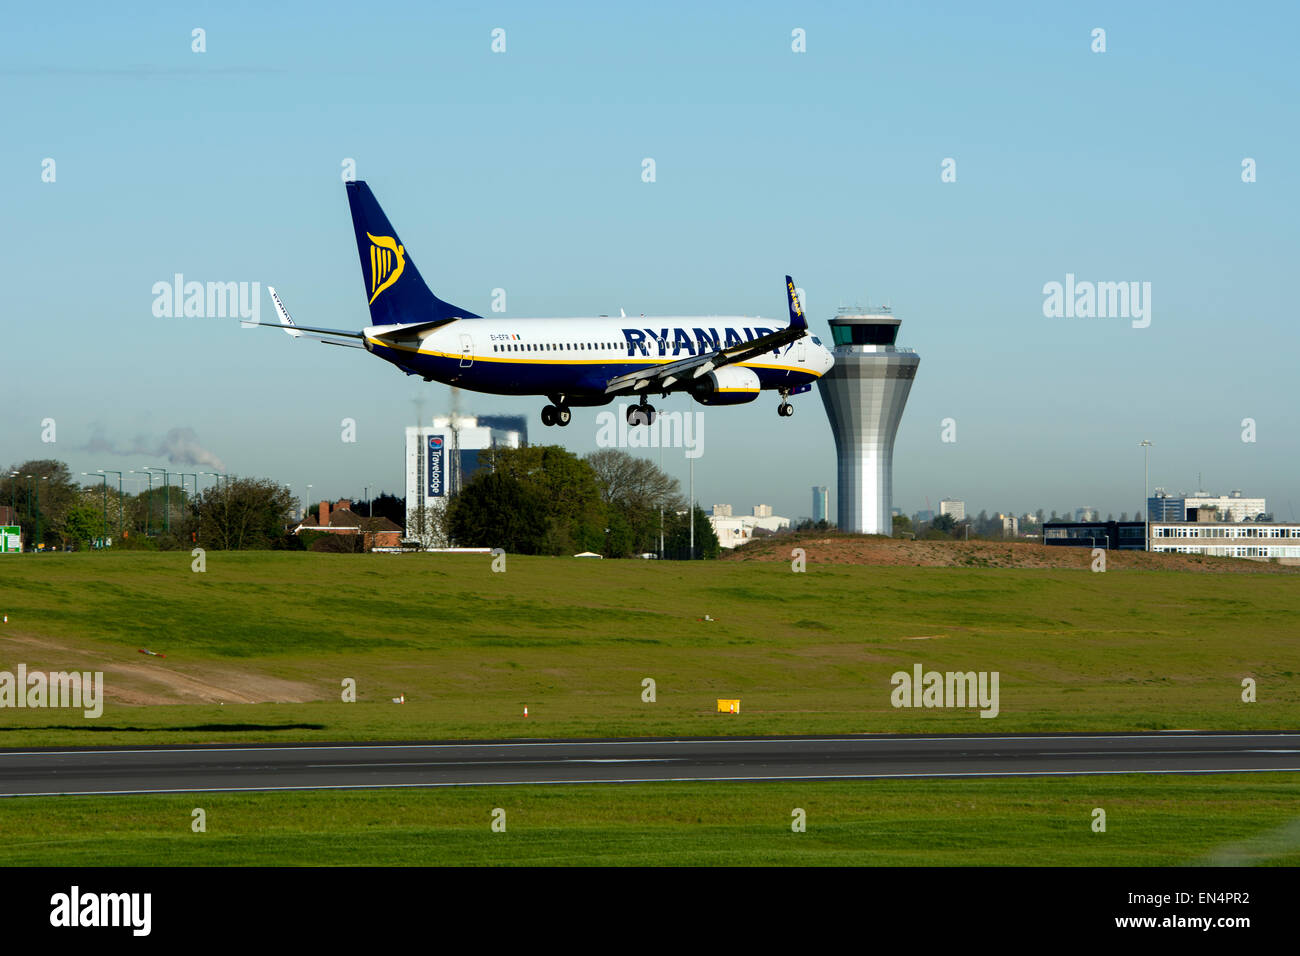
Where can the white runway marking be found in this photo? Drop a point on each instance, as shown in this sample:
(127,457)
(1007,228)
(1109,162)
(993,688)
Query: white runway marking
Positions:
(542,783)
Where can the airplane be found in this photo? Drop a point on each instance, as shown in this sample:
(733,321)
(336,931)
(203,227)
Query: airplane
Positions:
(718,360)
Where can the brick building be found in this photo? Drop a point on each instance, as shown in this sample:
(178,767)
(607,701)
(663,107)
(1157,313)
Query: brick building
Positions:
(341,519)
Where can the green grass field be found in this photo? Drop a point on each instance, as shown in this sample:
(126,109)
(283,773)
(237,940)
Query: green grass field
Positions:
(573,640)
(1247,819)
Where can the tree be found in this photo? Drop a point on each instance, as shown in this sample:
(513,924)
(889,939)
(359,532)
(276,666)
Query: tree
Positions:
(945,523)
(635,493)
(567,490)
(243,513)
(677,542)
(42,492)
(807,524)
(83,524)
(902,524)
(389,506)
(498,510)
(431,526)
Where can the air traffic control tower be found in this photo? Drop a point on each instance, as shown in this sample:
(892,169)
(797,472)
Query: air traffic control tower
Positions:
(864,394)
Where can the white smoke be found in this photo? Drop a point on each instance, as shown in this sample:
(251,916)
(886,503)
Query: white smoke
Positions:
(180,446)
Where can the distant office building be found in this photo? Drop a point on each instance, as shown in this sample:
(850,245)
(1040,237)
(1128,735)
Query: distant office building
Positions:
(506,423)
(953,506)
(1010,525)
(821,503)
(1108,535)
(923,517)
(1229,539)
(440,458)
(1184,507)
(732,531)
(722,511)
(762,511)
(1085,514)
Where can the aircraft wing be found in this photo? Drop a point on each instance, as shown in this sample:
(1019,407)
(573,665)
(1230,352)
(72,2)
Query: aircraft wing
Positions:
(327,336)
(663,377)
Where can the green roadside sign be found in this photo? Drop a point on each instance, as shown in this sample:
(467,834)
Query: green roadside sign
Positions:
(11,541)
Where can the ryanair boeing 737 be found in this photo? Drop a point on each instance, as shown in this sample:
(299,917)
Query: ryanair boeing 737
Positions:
(723,360)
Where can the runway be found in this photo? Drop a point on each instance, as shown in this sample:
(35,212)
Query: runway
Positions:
(193,769)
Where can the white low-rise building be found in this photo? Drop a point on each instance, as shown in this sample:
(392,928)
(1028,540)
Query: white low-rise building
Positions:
(733,531)
(1228,539)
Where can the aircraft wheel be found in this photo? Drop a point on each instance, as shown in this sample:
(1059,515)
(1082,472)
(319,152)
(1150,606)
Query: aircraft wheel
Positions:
(785,409)
(563,416)
(548,415)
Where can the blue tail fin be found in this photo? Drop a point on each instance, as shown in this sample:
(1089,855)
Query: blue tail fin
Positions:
(394,287)
(797,319)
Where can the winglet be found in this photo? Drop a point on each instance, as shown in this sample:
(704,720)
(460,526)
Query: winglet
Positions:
(797,319)
(283,313)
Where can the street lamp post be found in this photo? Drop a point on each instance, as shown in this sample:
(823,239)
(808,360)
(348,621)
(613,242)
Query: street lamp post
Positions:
(1146,503)
(37,480)
(29,511)
(103,478)
(148,511)
(109,471)
(167,497)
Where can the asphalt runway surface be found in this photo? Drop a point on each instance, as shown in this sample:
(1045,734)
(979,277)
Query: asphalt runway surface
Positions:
(186,769)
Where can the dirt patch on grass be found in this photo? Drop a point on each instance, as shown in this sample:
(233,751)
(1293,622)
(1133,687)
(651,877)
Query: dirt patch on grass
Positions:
(151,680)
(833,548)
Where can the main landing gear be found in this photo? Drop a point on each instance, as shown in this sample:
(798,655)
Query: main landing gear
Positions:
(785,409)
(556,415)
(643,414)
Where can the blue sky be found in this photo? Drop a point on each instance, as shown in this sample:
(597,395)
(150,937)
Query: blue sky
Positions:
(522,171)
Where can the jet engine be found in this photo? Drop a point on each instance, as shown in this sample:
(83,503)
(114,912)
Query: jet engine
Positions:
(729,385)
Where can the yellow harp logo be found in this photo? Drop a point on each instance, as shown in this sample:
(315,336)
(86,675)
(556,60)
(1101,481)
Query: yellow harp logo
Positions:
(387,260)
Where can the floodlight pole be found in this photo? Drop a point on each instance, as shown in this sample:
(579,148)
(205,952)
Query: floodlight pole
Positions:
(691,512)
(1146,504)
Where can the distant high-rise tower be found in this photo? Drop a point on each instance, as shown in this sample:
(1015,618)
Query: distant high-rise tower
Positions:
(820,503)
(864,394)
